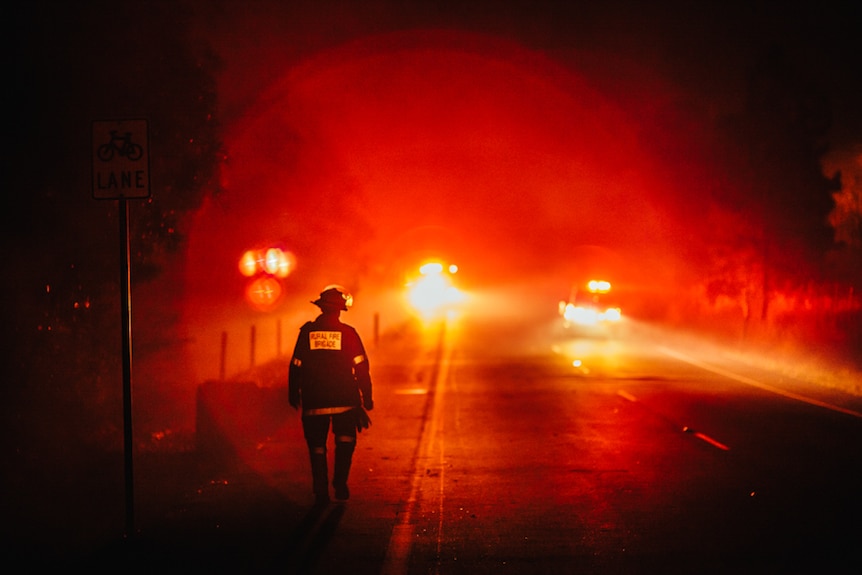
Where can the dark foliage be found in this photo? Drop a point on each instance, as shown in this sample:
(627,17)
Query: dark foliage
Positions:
(71,64)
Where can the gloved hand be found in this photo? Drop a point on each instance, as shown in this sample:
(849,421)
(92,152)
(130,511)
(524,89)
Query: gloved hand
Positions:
(368,403)
(362,419)
(294,398)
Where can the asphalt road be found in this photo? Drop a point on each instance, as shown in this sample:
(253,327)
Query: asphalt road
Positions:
(505,448)
(628,456)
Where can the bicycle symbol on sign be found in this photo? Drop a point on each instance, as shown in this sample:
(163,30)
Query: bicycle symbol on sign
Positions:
(122,145)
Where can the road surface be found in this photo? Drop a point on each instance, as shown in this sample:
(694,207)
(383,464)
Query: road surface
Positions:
(516,448)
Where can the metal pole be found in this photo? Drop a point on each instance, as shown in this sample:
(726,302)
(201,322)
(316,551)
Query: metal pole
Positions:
(126,313)
(223,356)
(252,345)
(278,338)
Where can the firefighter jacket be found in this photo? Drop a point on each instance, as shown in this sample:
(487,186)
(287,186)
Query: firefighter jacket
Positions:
(329,370)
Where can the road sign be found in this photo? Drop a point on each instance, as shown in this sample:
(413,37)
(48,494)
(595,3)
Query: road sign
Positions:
(121,160)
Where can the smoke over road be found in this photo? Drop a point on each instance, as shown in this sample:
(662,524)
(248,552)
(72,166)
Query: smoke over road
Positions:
(365,157)
(532,146)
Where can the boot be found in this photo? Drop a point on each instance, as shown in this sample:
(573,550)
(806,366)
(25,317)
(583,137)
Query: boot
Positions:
(343,459)
(319,478)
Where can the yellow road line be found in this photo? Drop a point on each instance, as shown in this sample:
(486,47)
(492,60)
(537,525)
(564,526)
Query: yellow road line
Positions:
(400,544)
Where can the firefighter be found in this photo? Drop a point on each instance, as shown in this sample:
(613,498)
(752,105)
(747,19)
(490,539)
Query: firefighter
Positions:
(330,379)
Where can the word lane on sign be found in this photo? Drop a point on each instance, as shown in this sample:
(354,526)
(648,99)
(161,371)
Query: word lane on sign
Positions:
(120,160)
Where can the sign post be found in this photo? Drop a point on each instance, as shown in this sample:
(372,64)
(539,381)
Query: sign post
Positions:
(121,172)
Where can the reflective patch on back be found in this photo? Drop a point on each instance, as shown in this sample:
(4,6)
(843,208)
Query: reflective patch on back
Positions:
(324,340)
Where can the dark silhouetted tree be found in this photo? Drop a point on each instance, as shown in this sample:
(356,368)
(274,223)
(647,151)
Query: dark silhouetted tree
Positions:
(70,64)
(772,151)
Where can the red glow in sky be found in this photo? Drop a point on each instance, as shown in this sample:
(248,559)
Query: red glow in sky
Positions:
(367,156)
(502,148)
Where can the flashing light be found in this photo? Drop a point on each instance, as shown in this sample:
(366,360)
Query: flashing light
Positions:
(433,293)
(263,292)
(248,264)
(265,267)
(431,269)
(272,261)
(613,314)
(278,263)
(591,316)
(599,286)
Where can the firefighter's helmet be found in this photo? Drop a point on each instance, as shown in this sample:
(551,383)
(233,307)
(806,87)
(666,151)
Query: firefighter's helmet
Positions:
(334,296)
